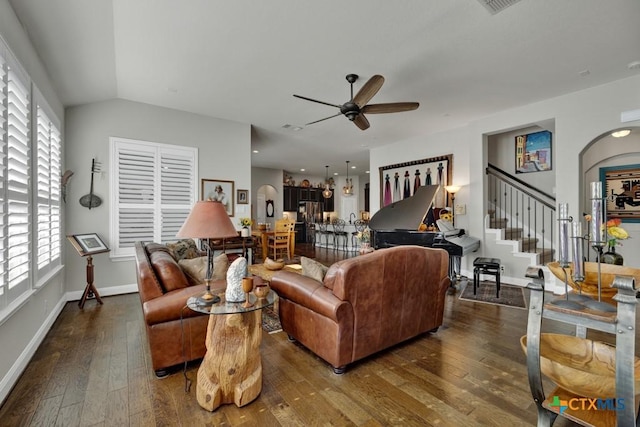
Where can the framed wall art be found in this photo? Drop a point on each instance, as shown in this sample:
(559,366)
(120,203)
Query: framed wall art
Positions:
(243,197)
(219,190)
(88,244)
(400,180)
(622,191)
(533,152)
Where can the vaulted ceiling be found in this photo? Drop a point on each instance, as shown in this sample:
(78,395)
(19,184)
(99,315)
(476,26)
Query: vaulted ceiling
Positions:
(243,60)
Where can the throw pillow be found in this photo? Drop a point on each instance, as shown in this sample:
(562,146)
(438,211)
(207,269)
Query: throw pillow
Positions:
(196,268)
(184,249)
(220,267)
(313,269)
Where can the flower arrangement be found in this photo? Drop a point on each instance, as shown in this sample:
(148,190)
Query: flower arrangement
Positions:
(245,222)
(615,232)
(364,236)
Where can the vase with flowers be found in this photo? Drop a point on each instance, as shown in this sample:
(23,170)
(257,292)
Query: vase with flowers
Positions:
(615,233)
(364,237)
(246,225)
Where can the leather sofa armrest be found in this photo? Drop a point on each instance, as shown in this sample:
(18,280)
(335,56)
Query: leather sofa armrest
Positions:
(169,306)
(309,293)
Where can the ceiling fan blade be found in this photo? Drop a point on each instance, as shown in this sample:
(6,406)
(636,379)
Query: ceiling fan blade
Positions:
(315,100)
(326,118)
(392,107)
(361,121)
(366,92)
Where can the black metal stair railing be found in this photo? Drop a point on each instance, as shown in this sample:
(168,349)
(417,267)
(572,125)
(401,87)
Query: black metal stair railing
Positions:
(526,213)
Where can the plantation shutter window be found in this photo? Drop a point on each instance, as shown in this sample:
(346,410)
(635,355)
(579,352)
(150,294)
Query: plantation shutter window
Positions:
(154,187)
(48,194)
(15,181)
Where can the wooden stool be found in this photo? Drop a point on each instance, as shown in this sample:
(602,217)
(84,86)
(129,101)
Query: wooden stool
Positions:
(486,266)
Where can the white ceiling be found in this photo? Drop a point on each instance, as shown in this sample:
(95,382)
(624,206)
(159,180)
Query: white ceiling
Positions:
(243,60)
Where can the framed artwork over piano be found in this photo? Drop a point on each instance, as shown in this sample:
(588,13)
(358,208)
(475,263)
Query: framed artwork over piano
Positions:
(401,180)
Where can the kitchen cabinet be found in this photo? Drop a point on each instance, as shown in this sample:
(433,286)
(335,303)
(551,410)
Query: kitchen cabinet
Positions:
(291,199)
(293,195)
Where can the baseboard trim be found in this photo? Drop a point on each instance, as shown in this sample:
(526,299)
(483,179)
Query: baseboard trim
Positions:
(104,292)
(22,361)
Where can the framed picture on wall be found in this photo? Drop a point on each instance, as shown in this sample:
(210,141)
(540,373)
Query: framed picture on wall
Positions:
(219,190)
(533,152)
(622,192)
(243,197)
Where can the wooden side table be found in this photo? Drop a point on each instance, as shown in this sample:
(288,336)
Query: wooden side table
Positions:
(231,371)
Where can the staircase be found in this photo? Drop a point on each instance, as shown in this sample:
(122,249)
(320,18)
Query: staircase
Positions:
(528,245)
(519,226)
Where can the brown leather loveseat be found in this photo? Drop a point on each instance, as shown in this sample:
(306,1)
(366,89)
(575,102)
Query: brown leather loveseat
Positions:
(365,304)
(164,290)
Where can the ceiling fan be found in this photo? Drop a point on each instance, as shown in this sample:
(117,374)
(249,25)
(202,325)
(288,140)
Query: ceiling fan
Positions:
(356,107)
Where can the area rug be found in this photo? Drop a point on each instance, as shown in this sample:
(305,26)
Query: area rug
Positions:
(510,295)
(270,321)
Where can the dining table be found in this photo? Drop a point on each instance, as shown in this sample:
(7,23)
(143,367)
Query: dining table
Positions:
(263,235)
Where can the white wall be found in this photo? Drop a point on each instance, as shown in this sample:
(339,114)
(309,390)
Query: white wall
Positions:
(502,153)
(223,149)
(579,118)
(24,330)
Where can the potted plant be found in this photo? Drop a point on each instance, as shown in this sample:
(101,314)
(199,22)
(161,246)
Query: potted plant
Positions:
(246,225)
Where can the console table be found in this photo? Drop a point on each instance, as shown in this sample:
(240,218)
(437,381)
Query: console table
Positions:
(231,370)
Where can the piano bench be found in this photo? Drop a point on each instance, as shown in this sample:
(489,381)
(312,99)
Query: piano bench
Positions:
(489,266)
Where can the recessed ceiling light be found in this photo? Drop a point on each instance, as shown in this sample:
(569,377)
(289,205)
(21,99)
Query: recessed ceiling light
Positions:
(256,151)
(335,173)
(292,127)
(367,172)
(621,133)
(302,170)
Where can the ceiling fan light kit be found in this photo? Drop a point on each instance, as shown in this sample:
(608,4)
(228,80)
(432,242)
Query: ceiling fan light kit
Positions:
(356,107)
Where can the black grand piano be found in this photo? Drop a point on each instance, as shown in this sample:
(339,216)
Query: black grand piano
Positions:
(397,224)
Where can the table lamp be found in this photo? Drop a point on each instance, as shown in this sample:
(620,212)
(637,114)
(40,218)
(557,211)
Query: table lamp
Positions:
(208,220)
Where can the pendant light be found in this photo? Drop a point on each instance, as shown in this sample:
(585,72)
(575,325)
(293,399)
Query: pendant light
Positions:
(327,193)
(347,190)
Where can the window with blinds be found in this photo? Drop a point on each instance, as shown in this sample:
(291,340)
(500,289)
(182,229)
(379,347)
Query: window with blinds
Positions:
(154,187)
(48,194)
(15,233)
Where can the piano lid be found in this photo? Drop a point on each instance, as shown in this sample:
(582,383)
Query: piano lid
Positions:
(406,214)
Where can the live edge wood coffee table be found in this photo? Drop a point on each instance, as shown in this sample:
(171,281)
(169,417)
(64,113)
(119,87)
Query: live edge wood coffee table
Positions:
(231,371)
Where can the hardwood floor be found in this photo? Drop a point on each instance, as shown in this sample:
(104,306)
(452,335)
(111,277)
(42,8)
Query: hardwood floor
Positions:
(93,368)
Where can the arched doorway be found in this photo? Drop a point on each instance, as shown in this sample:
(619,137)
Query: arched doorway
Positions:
(608,153)
(265,212)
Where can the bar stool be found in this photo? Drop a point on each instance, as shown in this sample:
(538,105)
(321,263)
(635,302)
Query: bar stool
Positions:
(339,233)
(489,266)
(360,225)
(322,231)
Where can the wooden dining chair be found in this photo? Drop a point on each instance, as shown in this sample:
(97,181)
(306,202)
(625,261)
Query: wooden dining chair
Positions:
(280,241)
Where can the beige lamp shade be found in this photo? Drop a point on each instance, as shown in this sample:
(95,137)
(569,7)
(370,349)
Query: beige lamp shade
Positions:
(208,220)
(452,189)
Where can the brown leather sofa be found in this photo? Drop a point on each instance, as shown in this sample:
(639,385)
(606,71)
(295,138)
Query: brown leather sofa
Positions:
(164,290)
(365,304)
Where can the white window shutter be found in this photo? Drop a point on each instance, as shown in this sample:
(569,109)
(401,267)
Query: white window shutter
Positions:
(154,188)
(15,192)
